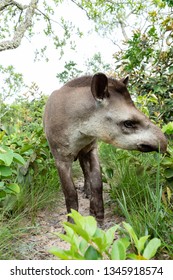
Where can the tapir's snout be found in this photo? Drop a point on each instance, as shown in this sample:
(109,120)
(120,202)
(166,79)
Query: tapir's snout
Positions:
(158,145)
(145,148)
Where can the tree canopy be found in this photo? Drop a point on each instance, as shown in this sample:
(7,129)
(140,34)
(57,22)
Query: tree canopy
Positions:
(141,33)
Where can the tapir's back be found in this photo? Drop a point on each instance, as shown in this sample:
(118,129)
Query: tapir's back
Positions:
(70,102)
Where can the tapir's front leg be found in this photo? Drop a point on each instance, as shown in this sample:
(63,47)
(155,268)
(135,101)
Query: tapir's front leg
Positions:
(69,190)
(92,181)
(96,201)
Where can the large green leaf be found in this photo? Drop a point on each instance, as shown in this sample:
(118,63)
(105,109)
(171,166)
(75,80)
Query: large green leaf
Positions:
(61,254)
(141,243)
(90,225)
(77,229)
(18,158)
(151,248)
(77,217)
(99,239)
(118,250)
(13,188)
(82,246)
(131,232)
(110,235)
(6,155)
(5,171)
(92,254)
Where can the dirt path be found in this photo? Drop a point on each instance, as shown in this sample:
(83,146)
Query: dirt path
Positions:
(36,244)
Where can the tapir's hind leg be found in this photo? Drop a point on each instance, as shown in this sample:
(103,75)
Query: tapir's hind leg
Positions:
(90,164)
(84,160)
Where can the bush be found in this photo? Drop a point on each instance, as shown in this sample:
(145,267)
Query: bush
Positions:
(89,242)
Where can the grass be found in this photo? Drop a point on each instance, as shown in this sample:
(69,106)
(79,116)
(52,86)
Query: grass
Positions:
(136,182)
(18,214)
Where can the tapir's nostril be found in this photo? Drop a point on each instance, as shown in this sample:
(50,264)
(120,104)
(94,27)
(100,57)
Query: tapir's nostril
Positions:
(147,148)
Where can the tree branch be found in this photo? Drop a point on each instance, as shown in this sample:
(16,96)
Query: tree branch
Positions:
(123,30)
(5,3)
(23,26)
(81,7)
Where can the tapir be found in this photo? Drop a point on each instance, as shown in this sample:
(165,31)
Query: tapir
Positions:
(88,109)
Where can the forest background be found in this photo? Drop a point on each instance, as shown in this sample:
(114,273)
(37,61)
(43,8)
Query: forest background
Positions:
(119,38)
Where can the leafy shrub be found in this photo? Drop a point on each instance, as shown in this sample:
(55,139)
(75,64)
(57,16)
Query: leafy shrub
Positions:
(22,132)
(89,242)
(8,160)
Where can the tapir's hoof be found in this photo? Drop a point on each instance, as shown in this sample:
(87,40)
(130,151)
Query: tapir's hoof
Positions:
(100,222)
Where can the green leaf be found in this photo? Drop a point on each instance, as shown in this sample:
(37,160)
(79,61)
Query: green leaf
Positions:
(2,194)
(82,246)
(61,254)
(77,217)
(151,248)
(26,148)
(92,254)
(19,159)
(69,231)
(168,128)
(2,133)
(132,256)
(99,239)
(118,250)
(13,187)
(6,155)
(167,162)
(87,223)
(132,233)
(168,173)
(5,171)
(125,242)
(90,225)
(77,229)
(70,237)
(110,235)
(141,243)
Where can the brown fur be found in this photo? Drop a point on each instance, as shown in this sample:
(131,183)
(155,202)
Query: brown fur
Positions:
(84,110)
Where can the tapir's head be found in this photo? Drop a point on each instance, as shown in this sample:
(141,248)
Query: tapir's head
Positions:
(119,122)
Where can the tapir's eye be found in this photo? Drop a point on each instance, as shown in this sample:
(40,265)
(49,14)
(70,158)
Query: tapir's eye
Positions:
(129,124)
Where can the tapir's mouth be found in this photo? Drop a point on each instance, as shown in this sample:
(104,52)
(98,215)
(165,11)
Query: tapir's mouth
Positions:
(147,148)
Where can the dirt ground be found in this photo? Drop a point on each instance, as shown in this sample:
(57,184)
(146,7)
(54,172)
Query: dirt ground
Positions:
(36,244)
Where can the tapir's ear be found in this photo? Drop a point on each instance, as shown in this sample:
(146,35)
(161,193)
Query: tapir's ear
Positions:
(99,86)
(125,80)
